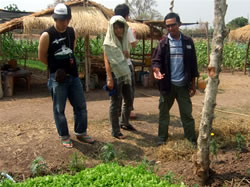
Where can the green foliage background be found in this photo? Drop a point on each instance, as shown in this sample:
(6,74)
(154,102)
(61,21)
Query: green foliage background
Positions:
(233,55)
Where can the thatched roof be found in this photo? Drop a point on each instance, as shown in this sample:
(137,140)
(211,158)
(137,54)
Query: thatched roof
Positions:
(18,22)
(92,20)
(6,15)
(241,34)
(85,20)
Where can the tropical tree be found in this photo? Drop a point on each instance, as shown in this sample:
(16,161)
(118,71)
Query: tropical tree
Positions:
(202,160)
(237,22)
(143,9)
(12,7)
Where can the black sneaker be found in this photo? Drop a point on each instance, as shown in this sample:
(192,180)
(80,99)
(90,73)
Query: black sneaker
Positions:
(160,143)
(128,127)
(119,136)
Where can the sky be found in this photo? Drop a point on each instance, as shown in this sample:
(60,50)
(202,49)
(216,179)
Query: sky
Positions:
(189,10)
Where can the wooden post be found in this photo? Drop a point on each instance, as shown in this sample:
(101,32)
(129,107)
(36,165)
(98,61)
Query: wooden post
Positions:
(208,51)
(8,85)
(152,40)
(246,59)
(87,76)
(151,74)
(1,89)
(143,52)
(25,57)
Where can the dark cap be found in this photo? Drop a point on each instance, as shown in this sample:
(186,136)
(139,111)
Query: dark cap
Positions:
(62,12)
(122,10)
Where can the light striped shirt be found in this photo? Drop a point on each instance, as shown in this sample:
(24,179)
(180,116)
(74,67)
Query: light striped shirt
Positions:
(176,61)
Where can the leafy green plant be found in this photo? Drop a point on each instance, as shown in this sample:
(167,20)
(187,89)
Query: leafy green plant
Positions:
(9,47)
(241,142)
(38,166)
(76,163)
(233,55)
(248,172)
(108,152)
(169,177)
(96,45)
(201,53)
(148,164)
(109,174)
(204,76)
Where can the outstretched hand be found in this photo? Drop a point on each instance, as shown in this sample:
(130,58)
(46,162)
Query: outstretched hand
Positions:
(158,75)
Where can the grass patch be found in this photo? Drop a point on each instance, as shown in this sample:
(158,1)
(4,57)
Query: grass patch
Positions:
(35,64)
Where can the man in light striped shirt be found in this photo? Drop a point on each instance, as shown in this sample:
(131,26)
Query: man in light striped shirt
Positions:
(175,66)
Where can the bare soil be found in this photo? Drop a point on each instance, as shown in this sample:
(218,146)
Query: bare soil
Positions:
(28,130)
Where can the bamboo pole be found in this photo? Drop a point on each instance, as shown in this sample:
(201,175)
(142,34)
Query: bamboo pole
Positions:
(87,76)
(208,51)
(246,59)
(143,52)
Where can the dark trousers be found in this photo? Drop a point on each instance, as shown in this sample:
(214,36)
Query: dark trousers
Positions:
(181,94)
(122,91)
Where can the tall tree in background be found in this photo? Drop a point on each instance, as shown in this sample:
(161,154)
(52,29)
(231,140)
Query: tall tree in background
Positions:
(237,22)
(143,9)
(202,160)
(12,7)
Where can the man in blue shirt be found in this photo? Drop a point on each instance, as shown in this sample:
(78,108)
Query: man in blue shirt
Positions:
(175,66)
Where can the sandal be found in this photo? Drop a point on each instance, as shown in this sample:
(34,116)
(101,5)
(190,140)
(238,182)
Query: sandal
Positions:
(119,136)
(67,143)
(128,127)
(86,139)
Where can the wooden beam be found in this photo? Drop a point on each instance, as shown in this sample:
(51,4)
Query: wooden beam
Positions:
(246,59)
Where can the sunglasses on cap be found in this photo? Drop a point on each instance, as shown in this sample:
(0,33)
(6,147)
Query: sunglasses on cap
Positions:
(171,25)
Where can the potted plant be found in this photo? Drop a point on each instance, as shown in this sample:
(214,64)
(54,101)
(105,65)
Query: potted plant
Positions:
(202,82)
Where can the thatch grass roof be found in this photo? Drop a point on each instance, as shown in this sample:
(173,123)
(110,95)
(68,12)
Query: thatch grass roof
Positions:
(241,34)
(18,22)
(141,29)
(83,21)
(92,20)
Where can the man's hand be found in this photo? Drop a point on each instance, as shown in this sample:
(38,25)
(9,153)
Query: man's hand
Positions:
(157,74)
(192,91)
(126,54)
(134,32)
(110,83)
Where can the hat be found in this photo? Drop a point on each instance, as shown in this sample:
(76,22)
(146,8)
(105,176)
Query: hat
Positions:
(62,12)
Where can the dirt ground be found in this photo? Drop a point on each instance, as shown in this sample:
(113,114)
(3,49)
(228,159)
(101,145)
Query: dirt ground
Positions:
(28,130)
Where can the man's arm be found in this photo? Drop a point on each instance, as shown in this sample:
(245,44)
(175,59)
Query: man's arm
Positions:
(192,90)
(194,70)
(157,61)
(110,81)
(75,40)
(132,37)
(43,48)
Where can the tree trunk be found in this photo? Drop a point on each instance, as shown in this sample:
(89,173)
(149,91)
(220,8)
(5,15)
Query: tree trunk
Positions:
(201,159)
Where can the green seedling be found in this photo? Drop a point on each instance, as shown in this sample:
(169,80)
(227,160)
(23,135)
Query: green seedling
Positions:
(38,166)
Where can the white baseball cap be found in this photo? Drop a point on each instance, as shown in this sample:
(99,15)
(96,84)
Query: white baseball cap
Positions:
(62,12)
